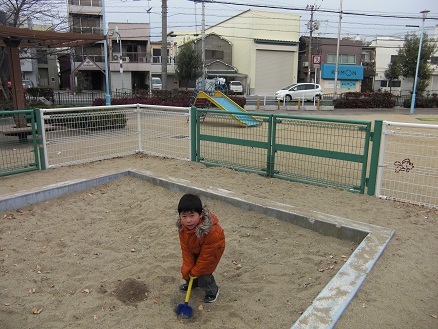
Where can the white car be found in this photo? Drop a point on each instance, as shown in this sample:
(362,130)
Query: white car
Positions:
(156,83)
(306,91)
(236,87)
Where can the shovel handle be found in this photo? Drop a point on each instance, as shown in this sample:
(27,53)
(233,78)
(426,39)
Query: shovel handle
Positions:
(189,288)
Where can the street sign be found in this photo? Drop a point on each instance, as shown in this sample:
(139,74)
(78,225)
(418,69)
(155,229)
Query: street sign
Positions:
(316,60)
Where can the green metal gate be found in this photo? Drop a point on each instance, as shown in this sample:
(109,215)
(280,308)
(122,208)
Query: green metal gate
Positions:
(312,150)
(18,145)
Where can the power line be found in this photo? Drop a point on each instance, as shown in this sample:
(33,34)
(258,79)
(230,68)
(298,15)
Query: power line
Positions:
(321,10)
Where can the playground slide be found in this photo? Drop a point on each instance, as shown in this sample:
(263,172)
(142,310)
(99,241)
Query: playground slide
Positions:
(224,103)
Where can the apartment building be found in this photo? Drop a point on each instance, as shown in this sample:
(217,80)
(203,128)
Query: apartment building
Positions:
(129,56)
(85,16)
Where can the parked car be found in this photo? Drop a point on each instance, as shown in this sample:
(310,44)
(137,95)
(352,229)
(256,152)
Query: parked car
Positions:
(306,91)
(156,83)
(236,87)
(27,84)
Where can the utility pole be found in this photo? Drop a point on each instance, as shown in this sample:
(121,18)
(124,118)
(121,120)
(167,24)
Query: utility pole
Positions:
(203,45)
(164,44)
(335,88)
(309,55)
(312,25)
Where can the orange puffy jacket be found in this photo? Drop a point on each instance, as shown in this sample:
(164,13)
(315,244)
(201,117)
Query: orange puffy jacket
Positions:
(202,247)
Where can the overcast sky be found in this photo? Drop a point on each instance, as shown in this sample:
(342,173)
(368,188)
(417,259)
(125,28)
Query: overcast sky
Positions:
(358,20)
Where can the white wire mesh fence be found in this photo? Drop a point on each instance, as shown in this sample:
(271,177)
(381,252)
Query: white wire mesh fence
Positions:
(408,159)
(408,163)
(85,134)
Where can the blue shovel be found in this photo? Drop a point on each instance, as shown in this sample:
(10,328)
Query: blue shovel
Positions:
(185,309)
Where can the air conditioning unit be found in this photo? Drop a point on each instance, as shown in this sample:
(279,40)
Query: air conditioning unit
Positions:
(115,57)
(126,59)
(305,64)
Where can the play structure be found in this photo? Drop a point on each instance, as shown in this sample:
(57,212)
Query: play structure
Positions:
(222,102)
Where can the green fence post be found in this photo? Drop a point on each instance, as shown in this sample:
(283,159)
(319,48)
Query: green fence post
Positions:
(272,137)
(193,134)
(40,142)
(374,162)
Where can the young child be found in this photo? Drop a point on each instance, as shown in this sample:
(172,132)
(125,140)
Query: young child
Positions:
(202,242)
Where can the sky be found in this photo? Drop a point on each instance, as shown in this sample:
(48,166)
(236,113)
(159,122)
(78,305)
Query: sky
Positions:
(364,19)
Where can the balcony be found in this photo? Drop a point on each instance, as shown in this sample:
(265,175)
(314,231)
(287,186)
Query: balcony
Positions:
(131,57)
(90,7)
(89,30)
(90,3)
(95,58)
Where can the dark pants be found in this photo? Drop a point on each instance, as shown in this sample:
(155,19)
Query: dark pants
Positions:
(206,283)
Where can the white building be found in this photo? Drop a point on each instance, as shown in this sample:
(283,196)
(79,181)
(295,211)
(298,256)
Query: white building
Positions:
(264,47)
(387,48)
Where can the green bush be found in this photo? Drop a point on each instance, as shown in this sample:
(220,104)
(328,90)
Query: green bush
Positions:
(98,120)
(40,92)
(365,100)
(178,98)
(422,102)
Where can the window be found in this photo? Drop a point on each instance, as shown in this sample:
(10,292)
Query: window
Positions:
(156,55)
(394,83)
(366,57)
(214,54)
(393,58)
(343,59)
(434,60)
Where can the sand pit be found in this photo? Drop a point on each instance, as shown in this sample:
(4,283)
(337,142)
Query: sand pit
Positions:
(84,254)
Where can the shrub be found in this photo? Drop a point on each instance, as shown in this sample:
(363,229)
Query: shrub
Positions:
(97,120)
(422,102)
(365,100)
(179,98)
(40,92)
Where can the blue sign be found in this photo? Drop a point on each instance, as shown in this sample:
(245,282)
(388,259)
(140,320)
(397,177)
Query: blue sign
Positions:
(348,84)
(345,72)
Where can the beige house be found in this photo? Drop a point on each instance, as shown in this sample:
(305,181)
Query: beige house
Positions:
(264,48)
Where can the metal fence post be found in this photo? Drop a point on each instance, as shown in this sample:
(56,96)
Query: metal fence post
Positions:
(272,136)
(140,147)
(193,134)
(40,138)
(374,162)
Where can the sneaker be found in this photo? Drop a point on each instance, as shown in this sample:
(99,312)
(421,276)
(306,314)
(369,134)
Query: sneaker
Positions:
(211,298)
(185,286)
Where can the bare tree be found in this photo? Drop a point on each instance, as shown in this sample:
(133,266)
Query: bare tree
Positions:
(25,13)
(19,13)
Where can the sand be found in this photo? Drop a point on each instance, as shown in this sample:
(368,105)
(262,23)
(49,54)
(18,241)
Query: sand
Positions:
(109,257)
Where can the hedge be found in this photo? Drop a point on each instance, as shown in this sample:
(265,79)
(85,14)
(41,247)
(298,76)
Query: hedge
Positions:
(365,100)
(178,98)
(422,102)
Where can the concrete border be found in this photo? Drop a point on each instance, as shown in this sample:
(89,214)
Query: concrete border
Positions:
(331,302)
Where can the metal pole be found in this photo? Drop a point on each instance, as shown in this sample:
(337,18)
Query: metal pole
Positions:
(203,45)
(309,55)
(105,54)
(335,88)
(164,44)
(424,12)
(119,37)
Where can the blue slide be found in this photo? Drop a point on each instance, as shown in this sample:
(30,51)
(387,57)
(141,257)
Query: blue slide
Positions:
(224,103)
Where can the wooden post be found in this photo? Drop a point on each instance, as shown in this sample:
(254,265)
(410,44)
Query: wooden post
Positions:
(17,83)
